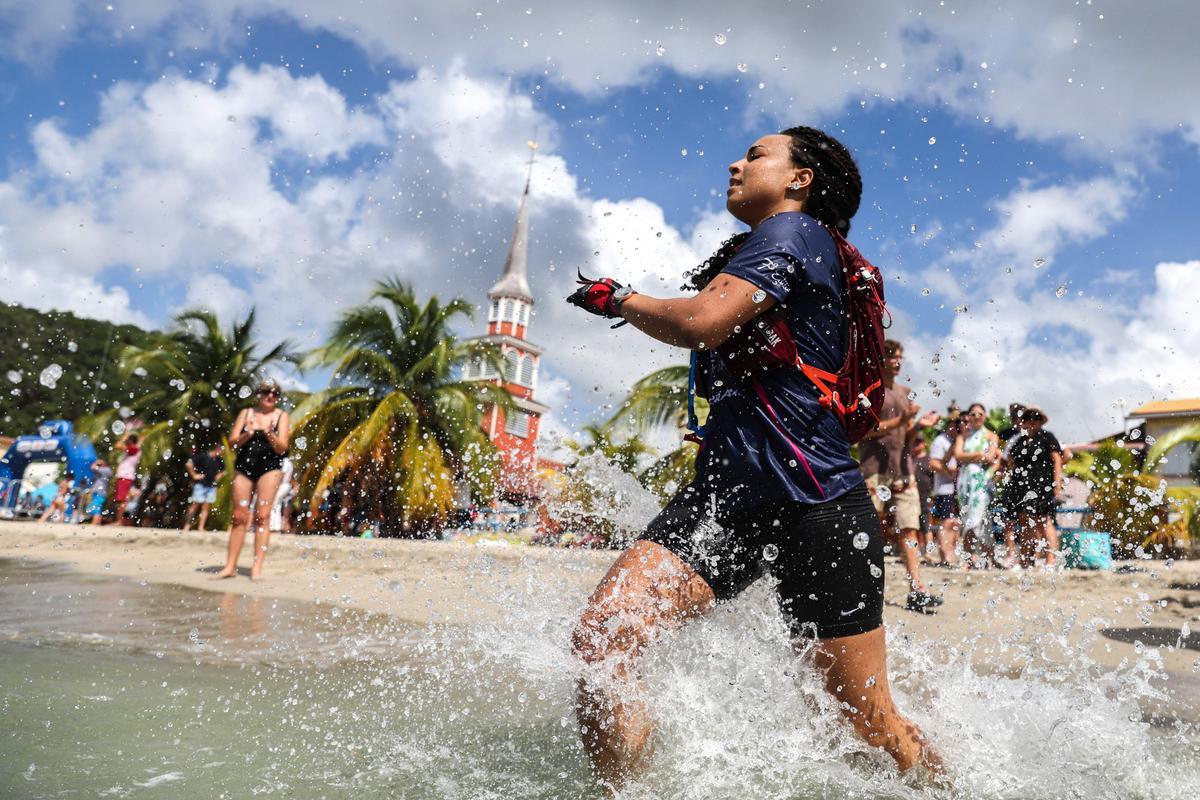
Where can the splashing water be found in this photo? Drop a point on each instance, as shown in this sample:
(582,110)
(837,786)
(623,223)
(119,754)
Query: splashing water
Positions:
(382,708)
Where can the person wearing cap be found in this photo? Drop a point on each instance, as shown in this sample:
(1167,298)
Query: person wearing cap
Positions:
(260,436)
(1006,507)
(1035,461)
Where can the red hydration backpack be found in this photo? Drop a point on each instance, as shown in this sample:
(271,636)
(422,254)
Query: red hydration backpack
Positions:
(855,392)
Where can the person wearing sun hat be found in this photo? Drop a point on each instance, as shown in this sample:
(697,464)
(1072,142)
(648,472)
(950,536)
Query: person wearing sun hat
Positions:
(1035,461)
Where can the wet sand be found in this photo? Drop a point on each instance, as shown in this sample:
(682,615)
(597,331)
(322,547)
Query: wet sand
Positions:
(1114,618)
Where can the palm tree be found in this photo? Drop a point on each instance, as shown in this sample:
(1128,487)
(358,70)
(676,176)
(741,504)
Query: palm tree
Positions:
(396,425)
(657,400)
(1172,439)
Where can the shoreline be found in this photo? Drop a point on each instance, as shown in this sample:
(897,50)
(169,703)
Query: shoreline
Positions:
(1008,621)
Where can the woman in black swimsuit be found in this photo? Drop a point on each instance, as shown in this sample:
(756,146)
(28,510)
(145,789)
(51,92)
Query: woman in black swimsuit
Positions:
(260,436)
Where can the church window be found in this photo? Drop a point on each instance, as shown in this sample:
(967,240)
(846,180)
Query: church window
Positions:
(510,366)
(527,371)
(508,311)
(517,424)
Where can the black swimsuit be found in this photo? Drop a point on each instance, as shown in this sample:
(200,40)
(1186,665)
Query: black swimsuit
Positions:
(257,457)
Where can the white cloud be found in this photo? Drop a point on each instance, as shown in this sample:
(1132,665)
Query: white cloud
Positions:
(176,182)
(1022,338)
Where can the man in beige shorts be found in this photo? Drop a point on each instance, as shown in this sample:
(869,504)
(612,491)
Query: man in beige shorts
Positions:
(885,458)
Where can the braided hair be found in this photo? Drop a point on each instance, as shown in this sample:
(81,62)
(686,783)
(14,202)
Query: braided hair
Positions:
(833,198)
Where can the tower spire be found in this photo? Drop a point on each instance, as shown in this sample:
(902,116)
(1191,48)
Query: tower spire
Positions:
(514,281)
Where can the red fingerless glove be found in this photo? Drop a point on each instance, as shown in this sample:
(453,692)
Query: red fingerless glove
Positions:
(596,296)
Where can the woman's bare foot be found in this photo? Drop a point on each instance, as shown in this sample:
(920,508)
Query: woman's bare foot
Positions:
(255,571)
(228,572)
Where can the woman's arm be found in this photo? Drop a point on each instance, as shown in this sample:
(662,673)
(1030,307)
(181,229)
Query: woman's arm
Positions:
(1057,459)
(703,321)
(277,435)
(238,435)
(962,456)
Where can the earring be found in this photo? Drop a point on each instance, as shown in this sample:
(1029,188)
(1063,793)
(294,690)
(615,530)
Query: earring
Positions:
(794,186)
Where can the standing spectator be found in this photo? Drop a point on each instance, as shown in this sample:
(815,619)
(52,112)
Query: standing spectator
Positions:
(127,472)
(205,468)
(281,510)
(1007,506)
(260,435)
(924,477)
(1035,480)
(59,503)
(977,451)
(943,515)
(886,463)
(99,490)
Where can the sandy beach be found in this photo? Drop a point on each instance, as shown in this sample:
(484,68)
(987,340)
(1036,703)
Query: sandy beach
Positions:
(1113,618)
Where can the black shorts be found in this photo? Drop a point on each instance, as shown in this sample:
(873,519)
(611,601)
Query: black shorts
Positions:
(827,557)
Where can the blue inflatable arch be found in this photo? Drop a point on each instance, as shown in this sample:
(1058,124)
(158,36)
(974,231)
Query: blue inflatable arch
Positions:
(55,440)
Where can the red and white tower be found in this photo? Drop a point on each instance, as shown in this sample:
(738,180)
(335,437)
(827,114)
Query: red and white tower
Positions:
(510,311)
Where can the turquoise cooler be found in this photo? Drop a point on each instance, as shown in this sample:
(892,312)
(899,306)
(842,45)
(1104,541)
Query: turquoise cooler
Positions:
(1087,549)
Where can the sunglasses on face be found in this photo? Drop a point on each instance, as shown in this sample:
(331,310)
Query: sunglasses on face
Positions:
(268,394)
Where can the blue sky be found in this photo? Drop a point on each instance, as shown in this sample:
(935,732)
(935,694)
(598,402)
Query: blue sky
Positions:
(160,155)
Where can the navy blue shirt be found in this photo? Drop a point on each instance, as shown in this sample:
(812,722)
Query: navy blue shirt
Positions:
(801,453)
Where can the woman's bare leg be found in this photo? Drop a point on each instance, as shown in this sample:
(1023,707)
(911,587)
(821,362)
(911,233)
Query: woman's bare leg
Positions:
(647,591)
(948,540)
(855,669)
(265,491)
(242,488)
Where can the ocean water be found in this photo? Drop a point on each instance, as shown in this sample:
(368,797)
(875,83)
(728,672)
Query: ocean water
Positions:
(115,688)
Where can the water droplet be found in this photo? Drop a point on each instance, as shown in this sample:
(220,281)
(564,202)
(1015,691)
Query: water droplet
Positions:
(683,152)
(743,67)
(660,50)
(231,118)
(720,38)
(883,65)
(933,140)
(876,571)
(883,493)
(118,427)
(1061,291)
(912,395)
(770,552)
(301,442)
(925,292)
(960,309)
(244,392)
(50,375)
(871,681)
(1039,262)
(14,376)
(72,347)
(861,540)
(759,296)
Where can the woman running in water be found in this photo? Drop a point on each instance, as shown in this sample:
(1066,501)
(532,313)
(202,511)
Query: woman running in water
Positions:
(776,489)
(260,436)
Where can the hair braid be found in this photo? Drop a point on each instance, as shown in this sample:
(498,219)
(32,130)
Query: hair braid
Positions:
(696,279)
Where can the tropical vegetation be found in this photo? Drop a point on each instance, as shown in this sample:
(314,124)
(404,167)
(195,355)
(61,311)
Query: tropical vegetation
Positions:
(195,380)
(55,365)
(398,427)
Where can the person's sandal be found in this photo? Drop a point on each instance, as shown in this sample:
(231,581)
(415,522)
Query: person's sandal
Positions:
(922,602)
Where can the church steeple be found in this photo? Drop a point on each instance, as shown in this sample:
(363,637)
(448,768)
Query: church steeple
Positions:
(514,282)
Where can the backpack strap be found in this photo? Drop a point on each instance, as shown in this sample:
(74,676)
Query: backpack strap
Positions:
(778,423)
(695,429)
